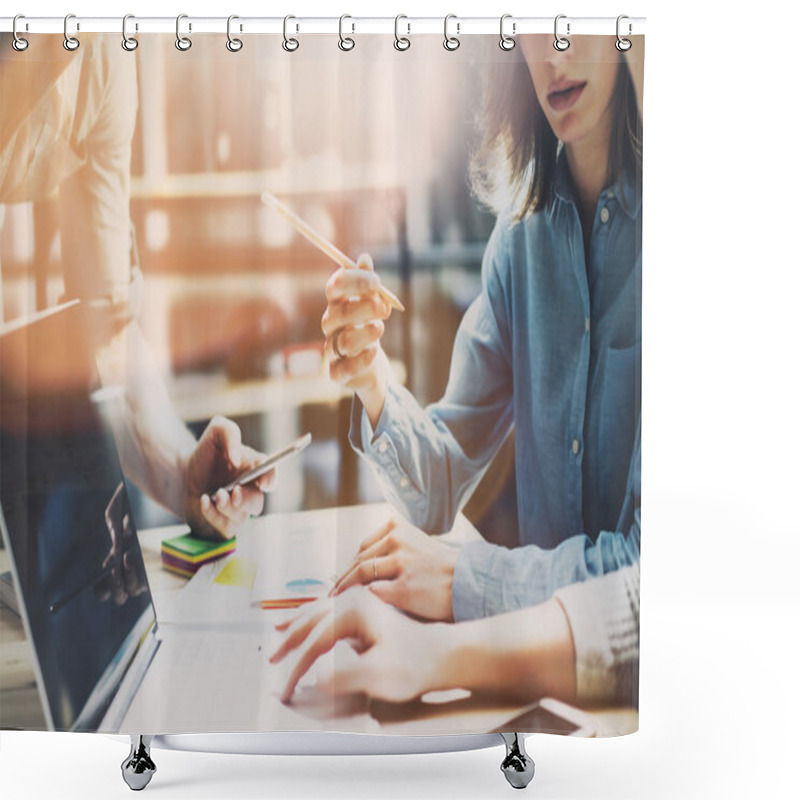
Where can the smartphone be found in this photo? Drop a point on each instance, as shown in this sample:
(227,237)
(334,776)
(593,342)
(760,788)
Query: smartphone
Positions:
(272,459)
(553,716)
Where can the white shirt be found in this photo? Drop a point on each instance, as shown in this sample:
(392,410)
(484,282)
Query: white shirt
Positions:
(75,137)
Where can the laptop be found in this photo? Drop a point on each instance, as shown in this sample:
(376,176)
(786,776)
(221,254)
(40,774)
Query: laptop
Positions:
(101,659)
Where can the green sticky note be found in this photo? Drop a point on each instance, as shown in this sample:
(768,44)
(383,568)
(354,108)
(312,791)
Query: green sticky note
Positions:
(192,548)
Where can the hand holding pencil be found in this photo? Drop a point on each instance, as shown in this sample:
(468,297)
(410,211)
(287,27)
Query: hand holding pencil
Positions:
(353,323)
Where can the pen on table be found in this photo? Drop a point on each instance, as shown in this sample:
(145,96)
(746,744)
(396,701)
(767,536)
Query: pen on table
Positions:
(319,241)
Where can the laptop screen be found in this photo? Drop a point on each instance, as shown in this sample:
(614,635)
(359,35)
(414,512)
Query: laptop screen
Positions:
(65,512)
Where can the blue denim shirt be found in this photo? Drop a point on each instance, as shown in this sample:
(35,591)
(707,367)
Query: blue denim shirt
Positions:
(552,347)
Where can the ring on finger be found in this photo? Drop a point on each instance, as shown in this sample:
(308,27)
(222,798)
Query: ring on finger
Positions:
(335,344)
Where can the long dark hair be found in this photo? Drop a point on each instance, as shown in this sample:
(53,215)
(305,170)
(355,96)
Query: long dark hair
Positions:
(517,154)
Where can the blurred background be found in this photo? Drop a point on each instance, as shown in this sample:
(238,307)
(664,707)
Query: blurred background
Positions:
(372,148)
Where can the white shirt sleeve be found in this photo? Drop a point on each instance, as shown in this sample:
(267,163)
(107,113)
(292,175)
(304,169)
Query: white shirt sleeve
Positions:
(603,614)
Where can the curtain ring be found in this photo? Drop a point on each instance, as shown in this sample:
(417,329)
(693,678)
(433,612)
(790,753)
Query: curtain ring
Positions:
(561,44)
(289,44)
(401,43)
(129,43)
(451,43)
(233,44)
(71,43)
(623,44)
(506,42)
(183,43)
(18,43)
(346,43)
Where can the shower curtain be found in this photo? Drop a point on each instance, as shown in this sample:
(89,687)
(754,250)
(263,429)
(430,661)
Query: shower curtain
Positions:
(412,273)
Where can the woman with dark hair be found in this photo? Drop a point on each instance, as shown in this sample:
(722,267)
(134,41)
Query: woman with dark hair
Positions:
(551,347)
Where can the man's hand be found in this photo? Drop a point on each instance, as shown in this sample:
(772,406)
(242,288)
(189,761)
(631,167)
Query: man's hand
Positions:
(218,458)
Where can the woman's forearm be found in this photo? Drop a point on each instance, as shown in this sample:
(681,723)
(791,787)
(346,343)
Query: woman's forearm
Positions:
(373,395)
(523,654)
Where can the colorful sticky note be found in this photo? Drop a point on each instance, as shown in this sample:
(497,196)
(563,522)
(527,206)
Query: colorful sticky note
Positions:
(238,572)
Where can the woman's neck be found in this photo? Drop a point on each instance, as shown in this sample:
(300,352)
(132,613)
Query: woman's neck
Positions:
(588,166)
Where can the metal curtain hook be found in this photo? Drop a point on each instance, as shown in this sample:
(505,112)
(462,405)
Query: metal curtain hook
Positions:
(233,44)
(70,42)
(129,43)
(401,42)
(560,42)
(346,42)
(623,44)
(289,44)
(182,42)
(451,42)
(18,43)
(506,42)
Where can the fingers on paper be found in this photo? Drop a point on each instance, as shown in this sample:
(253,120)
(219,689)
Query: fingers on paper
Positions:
(364,573)
(297,631)
(379,535)
(319,642)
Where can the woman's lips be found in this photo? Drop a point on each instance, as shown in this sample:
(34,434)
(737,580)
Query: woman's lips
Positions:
(565,94)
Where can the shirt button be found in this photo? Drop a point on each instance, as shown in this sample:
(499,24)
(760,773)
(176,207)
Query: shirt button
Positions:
(604,214)
(576,446)
(404,483)
(382,447)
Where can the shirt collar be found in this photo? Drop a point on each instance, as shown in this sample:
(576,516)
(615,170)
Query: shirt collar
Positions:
(627,188)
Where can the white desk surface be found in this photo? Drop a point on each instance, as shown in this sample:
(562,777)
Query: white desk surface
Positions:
(179,602)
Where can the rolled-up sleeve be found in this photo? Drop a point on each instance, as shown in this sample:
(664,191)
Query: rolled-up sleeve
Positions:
(603,616)
(491,580)
(429,460)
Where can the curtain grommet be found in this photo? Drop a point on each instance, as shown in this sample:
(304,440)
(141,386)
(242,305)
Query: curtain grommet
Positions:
(507,42)
(233,44)
(561,43)
(183,43)
(71,43)
(290,44)
(451,43)
(623,45)
(18,43)
(129,43)
(401,43)
(346,43)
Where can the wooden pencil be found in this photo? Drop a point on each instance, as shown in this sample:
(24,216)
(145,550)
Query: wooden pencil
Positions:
(319,241)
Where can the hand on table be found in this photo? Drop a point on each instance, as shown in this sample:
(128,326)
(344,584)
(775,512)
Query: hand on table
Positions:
(391,658)
(218,457)
(407,568)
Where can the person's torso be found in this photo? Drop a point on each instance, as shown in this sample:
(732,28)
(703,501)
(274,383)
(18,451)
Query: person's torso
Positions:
(575,328)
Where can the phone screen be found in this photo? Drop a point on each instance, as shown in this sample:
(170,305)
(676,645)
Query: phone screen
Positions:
(271,460)
(538,719)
